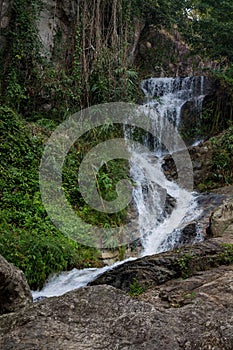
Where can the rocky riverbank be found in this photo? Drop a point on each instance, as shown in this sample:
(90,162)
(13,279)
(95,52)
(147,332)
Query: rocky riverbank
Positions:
(181,299)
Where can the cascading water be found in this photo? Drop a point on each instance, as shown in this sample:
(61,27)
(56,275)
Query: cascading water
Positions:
(168,95)
(160,231)
(160,228)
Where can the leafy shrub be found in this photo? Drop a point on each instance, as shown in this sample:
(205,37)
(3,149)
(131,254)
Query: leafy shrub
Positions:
(136,288)
(28,238)
(222,162)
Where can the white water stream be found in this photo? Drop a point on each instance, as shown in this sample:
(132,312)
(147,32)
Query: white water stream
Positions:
(159,231)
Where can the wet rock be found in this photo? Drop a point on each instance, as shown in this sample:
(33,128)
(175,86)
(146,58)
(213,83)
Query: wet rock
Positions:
(160,268)
(170,204)
(188,235)
(169,168)
(201,157)
(14,290)
(185,235)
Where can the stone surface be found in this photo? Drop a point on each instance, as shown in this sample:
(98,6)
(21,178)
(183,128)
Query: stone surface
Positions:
(172,312)
(5,13)
(221,220)
(57,26)
(195,313)
(14,290)
(5,8)
(156,48)
(200,155)
(201,306)
(109,256)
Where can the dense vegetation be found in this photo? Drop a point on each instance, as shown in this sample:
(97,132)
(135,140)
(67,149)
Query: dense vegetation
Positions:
(28,238)
(98,66)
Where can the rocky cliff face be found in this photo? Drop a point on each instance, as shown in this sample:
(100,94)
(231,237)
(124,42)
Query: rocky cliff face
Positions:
(157,269)
(5,13)
(158,52)
(163,52)
(57,27)
(221,220)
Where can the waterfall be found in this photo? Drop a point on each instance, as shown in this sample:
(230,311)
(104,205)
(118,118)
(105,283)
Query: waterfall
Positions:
(168,95)
(160,230)
(163,206)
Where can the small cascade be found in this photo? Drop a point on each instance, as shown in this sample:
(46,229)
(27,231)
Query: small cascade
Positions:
(66,281)
(168,95)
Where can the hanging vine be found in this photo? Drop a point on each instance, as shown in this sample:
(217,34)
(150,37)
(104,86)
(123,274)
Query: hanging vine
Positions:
(107,41)
(93,65)
(22,54)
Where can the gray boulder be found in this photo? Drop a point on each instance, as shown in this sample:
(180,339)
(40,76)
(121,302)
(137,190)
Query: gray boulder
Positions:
(14,290)
(221,220)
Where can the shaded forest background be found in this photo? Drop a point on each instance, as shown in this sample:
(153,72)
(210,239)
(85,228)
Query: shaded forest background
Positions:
(94,51)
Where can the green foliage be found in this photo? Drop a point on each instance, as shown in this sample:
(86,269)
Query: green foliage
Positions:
(28,238)
(92,74)
(106,179)
(118,83)
(122,251)
(22,54)
(28,79)
(99,68)
(224,79)
(59,87)
(213,27)
(222,160)
(136,288)
(227,256)
(219,171)
(183,265)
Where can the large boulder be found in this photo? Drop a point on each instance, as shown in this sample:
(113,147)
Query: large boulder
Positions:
(221,220)
(14,290)
(201,156)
